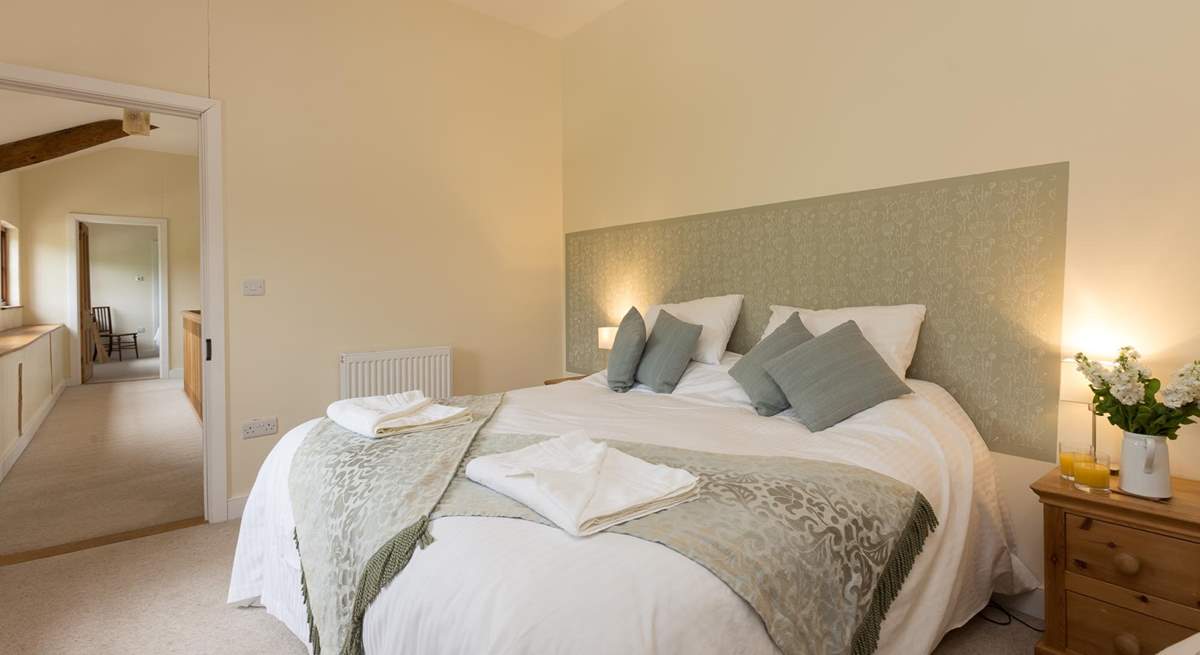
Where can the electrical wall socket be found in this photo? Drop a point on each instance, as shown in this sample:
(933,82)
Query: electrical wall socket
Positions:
(260,427)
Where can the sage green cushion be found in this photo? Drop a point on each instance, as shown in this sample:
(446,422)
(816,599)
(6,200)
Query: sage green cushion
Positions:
(626,351)
(830,378)
(767,397)
(668,351)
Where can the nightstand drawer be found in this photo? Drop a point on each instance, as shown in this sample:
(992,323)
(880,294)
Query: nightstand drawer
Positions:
(1135,559)
(1097,628)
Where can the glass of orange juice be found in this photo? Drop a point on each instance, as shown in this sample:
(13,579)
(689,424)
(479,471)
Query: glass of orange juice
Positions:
(1093,477)
(1067,458)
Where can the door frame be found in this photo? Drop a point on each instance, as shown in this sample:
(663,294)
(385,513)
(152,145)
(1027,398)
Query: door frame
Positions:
(162,300)
(207,114)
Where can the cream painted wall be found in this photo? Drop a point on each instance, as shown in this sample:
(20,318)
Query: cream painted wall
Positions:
(121,182)
(393,169)
(398,184)
(120,255)
(10,211)
(165,47)
(674,107)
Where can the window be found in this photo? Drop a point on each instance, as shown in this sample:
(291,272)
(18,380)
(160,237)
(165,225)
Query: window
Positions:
(9,263)
(5,299)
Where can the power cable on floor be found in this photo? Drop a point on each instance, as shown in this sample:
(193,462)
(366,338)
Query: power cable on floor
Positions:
(1009,617)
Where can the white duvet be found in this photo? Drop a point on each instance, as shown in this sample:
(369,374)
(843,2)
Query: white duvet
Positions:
(493,585)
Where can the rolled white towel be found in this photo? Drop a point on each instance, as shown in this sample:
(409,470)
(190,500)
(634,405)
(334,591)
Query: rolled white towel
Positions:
(397,413)
(582,486)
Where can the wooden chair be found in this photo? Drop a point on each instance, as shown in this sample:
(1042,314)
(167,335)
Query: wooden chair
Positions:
(118,341)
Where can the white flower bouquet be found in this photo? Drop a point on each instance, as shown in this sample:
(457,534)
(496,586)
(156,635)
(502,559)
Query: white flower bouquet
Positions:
(1128,396)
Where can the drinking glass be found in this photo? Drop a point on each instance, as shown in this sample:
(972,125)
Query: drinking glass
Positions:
(1093,477)
(1068,456)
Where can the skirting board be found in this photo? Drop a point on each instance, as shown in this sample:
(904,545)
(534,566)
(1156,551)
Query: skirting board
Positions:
(234,507)
(175,374)
(35,422)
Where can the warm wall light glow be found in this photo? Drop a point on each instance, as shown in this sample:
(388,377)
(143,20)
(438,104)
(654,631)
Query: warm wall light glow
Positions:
(1074,386)
(1103,362)
(605,337)
(1097,326)
(624,289)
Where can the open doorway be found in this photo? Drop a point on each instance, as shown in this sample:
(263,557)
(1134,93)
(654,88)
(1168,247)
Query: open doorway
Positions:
(133,455)
(123,271)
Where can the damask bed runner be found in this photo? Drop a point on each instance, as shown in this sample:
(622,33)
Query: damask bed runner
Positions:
(818,550)
(362,507)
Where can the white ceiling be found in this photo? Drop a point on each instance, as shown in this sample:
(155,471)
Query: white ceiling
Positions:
(23,115)
(553,18)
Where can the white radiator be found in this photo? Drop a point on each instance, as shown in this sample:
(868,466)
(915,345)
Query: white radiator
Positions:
(393,371)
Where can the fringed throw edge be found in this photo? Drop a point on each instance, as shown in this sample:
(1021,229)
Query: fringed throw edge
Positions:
(382,568)
(922,521)
(313,638)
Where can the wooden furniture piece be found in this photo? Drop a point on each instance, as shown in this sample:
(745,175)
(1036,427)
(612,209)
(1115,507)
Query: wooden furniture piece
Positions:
(88,346)
(566,379)
(118,341)
(31,376)
(193,361)
(17,338)
(1122,573)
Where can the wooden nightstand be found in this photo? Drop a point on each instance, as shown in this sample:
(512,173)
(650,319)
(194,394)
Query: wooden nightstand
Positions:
(1122,573)
(566,379)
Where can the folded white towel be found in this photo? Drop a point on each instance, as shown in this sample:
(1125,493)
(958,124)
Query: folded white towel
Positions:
(582,486)
(397,413)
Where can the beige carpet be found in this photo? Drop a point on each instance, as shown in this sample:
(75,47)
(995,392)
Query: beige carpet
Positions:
(161,594)
(166,593)
(108,458)
(130,369)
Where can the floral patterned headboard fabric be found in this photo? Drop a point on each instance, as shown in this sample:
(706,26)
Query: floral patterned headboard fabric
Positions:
(984,253)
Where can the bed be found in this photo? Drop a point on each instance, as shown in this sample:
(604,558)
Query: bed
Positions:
(495,585)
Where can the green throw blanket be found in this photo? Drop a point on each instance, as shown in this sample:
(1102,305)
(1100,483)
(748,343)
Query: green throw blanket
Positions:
(362,507)
(819,550)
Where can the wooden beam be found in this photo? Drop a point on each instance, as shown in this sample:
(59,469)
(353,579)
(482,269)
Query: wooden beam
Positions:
(37,149)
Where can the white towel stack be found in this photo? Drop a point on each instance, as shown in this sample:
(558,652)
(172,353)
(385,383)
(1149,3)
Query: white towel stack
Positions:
(582,486)
(397,413)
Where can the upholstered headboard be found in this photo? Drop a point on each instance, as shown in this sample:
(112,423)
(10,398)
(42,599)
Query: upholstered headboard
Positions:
(983,253)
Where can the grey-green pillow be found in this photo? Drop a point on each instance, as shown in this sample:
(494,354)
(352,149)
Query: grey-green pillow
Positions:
(626,351)
(668,351)
(832,377)
(767,397)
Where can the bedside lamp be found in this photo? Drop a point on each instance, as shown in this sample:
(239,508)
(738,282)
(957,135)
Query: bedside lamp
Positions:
(1084,391)
(605,337)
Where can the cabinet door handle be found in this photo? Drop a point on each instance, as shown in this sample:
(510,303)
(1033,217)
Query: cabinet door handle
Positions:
(208,350)
(1127,644)
(1127,564)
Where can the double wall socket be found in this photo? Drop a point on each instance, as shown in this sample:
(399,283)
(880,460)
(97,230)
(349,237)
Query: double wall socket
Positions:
(260,427)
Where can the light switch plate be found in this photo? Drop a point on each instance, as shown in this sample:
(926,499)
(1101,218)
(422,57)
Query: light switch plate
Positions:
(254,286)
(260,427)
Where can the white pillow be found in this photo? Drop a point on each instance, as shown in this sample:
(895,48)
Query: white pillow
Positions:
(892,330)
(716,316)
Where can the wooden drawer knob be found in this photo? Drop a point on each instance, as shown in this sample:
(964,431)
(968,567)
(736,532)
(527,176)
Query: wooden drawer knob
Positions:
(1127,644)
(1127,564)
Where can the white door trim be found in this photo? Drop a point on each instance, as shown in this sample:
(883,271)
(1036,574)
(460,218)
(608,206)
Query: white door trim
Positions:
(163,299)
(207,113)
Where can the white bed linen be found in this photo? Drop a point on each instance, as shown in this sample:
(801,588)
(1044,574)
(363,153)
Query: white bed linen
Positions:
(507,586)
